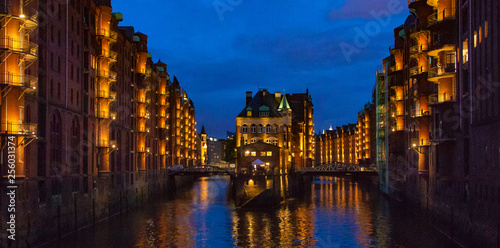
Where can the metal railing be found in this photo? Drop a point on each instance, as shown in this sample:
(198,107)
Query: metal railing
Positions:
(419,48)
(438,71)
(106,94)
(107,33)
(420,142)
(414,71)
(17,45)
(441,15)
(109,54)
(19,80)
(105,114)
(420,112)
(440,97)
(111,75)
(12,128)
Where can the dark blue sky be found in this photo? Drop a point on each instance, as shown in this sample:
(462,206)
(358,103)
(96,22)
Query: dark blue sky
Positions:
(219,49)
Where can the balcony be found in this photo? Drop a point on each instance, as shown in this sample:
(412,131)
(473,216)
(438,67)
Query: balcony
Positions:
(105,115)
(143,129)
(110,75)
(19,80)
(144,114)
(17,129)
(444,15)
(144,100)
(108,34)
(111,55)
(143,149)
(419,142)
(438,72)
(111,95)
(28,18)
(18,46)
(416,113)
(417,49)
(440,98)
(103,143)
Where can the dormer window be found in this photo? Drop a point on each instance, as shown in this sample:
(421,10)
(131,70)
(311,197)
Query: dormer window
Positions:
(264,110)
(249,112)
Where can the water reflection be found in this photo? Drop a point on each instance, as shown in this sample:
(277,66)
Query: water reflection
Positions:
(334,213)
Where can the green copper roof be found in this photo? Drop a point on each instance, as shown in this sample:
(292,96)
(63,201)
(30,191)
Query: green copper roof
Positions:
(284,104)
(264,108)
(249,109)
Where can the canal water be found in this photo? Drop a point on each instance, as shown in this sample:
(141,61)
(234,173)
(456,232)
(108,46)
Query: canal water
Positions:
(335,212)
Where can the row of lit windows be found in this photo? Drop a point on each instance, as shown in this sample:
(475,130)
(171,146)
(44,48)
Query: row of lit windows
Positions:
(260,129)
(262,153)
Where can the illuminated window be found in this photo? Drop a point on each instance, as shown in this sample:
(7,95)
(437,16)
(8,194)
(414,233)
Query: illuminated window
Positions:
(275,142)
(249,113)
(247,153)
(480,35)
(486,29)
(254,153)
(269,153)
(475,38)
(465,51)
(262,154)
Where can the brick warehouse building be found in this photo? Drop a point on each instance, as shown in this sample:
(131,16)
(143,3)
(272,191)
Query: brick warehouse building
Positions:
(437,103)
(285,121)
(96,123)
(351,143)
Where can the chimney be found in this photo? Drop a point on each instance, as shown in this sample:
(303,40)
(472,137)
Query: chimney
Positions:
(249,97)
(277,95)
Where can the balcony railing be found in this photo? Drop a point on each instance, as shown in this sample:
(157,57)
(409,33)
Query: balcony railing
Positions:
(11,128)
(112,35)
(445,14)
(419,142)
(419,48)
(414,71)
(439,71)
(420,113)
(103,143)
(19,80)
(440,97)
(143,129)
(16,45)
(106,94)
(106,115)
(109,54)
(111,75)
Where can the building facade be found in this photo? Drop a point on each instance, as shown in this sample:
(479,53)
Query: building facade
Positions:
(437,113)
(349,144)
(95,121)
(276,120)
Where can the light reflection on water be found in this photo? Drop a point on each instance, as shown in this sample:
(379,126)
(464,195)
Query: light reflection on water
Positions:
(335,213)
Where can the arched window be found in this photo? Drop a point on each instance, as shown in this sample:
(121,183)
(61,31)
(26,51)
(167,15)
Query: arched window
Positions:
(268,128)
(253,128)
(261,129)
(276,129)
(244,129)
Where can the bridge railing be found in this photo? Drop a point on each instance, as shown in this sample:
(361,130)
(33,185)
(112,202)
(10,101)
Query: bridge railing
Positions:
(339,167)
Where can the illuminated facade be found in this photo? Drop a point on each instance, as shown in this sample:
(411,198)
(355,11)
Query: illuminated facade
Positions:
(285,121)
(351,143)
(18,84)
(437,106)
(96,123)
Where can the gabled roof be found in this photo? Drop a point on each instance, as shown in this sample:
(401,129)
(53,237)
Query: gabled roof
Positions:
(203,129)
(262,101)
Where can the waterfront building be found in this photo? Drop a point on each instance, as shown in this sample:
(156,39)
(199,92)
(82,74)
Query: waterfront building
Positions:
(350,144)
(284,121)
(437,113)
(95,121)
